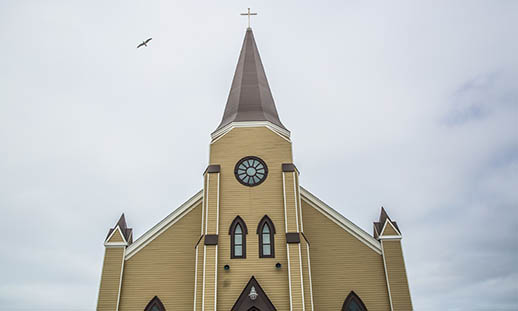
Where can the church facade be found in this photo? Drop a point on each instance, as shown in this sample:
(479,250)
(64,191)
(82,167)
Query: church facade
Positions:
(253,238)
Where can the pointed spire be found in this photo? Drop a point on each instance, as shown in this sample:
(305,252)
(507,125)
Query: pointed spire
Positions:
(250,98)
(378,226)
(125,231)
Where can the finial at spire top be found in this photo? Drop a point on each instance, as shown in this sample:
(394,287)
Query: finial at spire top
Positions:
(249,14)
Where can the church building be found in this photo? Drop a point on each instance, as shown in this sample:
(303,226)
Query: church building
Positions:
(252,238)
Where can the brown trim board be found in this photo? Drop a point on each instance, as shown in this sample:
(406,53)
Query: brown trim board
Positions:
(292,237)
(211,239)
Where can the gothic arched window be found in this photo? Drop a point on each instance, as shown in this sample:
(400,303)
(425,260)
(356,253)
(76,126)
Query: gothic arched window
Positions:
(155,305)
(266,231)
(353,303)
(238,232)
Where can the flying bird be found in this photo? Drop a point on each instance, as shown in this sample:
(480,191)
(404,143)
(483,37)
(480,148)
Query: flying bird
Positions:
(144,43)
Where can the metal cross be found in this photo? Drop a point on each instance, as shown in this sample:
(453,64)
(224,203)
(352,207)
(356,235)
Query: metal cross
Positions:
(248,16)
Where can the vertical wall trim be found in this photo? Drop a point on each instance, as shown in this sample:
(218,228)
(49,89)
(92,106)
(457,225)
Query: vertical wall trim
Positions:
(217,208)
(205,246)
(386,275)
(284,196)
(195,277)
(301,280)
(120,280)
(310,280)
(216,280)
(287,245)
(203,205)
(207,205)
(289,275)
(216,261)
(203,287)
(295,201)
(300,206)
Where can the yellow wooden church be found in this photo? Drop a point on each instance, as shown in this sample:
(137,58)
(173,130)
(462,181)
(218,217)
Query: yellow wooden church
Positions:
(253,238)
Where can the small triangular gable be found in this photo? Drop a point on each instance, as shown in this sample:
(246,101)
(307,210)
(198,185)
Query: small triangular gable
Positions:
(389,229)
(116,236)
(253,297)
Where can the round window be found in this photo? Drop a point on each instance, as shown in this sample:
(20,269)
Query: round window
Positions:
(251,171)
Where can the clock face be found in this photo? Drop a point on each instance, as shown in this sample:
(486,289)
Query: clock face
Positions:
(251,171)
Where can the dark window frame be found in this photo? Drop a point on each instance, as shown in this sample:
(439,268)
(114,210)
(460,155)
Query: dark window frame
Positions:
(231,232)
(266,220)
(155,302)
(353,297)
(252,158)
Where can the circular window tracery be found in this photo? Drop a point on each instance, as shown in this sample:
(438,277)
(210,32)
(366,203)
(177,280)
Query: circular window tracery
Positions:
(251,171)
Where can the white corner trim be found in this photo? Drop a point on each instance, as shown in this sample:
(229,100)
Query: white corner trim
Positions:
(120,280)
(390,237)
(163,225)
(108,244)
(227,128)
(195,277)
(340,220)
(386,276)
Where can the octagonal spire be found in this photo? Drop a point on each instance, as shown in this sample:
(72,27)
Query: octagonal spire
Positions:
(250,98)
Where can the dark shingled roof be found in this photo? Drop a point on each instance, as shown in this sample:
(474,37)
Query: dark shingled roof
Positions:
(124,229)
(250,98)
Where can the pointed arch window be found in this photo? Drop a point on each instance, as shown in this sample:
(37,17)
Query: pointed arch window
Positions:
(353,303)
(266,231)
(155,305)
(238,232)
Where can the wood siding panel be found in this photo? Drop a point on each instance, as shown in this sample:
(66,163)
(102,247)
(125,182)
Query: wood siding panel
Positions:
(212,203)
(389,230)
(397,275)
(341,263)
(116,237)
(251,203)
(110,279)
(164,267)
(305,271)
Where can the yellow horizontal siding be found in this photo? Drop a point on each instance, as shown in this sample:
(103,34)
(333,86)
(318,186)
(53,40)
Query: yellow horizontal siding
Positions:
(251,203)
(397,275)
(389,230)
(341,263)
(164,267)
(116,237)
(110,279)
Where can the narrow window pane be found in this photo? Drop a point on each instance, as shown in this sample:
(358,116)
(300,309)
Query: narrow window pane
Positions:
(266,238)
(353,306)
(266,250)
(238,239)
(238,250)
(238,229)
(266,228)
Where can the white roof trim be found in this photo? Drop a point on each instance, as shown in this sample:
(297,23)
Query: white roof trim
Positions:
(116,243)
(227,128)
(340,220)
(163,225)
(382,236)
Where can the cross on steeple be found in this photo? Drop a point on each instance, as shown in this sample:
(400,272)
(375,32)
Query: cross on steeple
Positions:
(249,14)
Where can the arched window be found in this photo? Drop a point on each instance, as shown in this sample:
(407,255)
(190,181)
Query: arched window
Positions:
(353,303)
(238,232)
(266,231)
(155,305)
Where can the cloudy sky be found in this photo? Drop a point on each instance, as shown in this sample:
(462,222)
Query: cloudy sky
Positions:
(414,103)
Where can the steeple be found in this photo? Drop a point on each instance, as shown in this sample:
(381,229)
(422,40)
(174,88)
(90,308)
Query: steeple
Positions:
(250,98)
